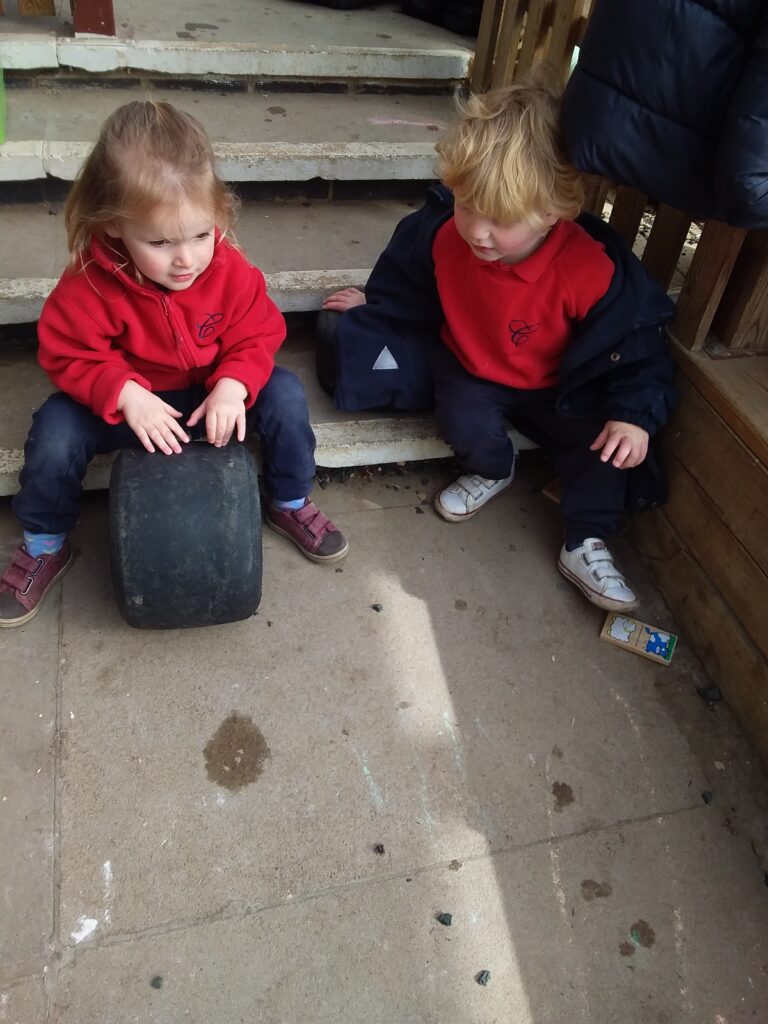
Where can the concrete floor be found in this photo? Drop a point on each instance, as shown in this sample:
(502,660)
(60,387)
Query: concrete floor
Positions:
(542,787)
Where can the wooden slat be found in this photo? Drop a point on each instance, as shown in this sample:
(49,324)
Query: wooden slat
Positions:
(531,36)
(96,17)
(737,389)
(562,38)
(43,8)
(739,579)
(662,251)
(595,193)
(705,281)
(508,43)
(628,210)
(707,623)
(741,321)
(724,467)
(482,64)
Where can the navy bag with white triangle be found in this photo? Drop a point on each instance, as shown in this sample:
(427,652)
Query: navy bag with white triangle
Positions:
(377,356)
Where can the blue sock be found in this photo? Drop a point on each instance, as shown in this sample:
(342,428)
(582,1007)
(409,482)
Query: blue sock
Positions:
(36,544)
(294,504)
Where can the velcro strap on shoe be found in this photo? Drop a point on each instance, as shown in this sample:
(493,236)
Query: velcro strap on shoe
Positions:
(603,567)
(19,571)
(312,520)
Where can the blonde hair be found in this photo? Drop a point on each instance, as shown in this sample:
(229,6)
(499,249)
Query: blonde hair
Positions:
(505,159)
(148,154)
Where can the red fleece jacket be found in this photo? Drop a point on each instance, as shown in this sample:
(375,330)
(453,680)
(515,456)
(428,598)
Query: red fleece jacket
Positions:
(100,328)
(511,322)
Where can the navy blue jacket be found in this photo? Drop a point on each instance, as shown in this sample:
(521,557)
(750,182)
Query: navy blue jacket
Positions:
(672,99)
(617,366)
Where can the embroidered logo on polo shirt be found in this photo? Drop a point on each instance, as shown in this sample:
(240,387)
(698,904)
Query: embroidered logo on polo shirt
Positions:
(520,332)
(207,327)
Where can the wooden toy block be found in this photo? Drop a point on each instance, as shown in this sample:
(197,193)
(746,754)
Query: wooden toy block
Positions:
(639,637)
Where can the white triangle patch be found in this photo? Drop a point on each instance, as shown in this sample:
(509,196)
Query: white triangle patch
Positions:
(385,361)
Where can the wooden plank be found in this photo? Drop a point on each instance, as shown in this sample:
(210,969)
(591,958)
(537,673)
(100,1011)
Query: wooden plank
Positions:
(42,8)
(665,242)
(705,282)
(562,37)
(482,62)
(737,389)
(726,470)
(741,321)
(708,625)
(531,36)
(627,212)
(739,579)
(595,193)
(95,17)
(508,42)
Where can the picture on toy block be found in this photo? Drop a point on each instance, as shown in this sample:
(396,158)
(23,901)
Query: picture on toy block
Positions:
(639,637)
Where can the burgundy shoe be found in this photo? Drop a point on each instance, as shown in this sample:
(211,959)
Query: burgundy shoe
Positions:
(312,532)
(26,582)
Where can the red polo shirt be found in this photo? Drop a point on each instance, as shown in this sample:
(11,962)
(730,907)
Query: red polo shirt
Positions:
(511,322)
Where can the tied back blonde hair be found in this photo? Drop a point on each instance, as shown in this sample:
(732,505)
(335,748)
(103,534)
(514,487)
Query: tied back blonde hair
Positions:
(505,159)
(148,154)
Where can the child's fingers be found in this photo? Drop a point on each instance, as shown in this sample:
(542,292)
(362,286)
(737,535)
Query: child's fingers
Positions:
(171,410)
(600,440)
(143,436)
(241,426)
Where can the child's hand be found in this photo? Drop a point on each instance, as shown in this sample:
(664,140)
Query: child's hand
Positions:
(151,419)
(224,409)
(626,442)
(344,299)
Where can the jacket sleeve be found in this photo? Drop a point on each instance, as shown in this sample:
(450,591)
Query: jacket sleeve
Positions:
(642,391)
(77,353)
(249,344)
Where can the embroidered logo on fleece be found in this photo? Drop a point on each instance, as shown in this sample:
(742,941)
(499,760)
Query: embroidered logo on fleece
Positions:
(207,327)
(520,332)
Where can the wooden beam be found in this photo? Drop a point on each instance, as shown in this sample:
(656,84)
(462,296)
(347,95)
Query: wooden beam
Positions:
(662,251)
(562,38)
(482,63)
(95,17)
(531,36)
(741,321)
(508,42)
(628,210)
(595,193)
(41,8)
(709,625)
(705,282)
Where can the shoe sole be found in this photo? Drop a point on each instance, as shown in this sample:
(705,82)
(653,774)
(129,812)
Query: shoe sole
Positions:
(594,597)
(452,517)
(321,559)
(10,623)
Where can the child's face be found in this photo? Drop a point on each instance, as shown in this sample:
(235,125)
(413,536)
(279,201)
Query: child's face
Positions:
(172,246)
(490,241)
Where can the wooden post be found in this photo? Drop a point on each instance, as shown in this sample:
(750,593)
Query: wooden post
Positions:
(662,251)
(508,42)
(94,16)
(628,210)
(705,282)
(741,321)
(482,64)
(40,8)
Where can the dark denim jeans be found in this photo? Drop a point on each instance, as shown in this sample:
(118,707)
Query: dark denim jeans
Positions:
(473,414)
(66,435)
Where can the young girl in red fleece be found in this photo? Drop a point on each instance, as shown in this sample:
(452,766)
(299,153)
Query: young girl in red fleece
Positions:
(159,331)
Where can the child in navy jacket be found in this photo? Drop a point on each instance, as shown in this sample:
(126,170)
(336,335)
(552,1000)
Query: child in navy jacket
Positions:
(545,321)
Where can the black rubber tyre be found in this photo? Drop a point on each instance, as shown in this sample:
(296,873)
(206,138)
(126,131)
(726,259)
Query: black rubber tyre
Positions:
(185,536)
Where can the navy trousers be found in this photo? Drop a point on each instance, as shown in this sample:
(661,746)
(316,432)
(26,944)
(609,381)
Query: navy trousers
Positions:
(474,413)
(65,436)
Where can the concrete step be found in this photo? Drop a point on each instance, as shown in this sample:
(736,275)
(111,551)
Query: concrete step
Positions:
(262,38)
(343,439)
(305,248)
(264,136)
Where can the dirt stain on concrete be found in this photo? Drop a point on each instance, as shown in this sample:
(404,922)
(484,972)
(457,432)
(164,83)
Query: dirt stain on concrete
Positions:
(236,754)
(592,890)
(626,948)
(460,605)
(642,934)
(563,795)
(277,110)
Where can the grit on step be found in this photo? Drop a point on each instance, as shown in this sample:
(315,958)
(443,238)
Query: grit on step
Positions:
(343,439)
(277,38)
(306,249)
(263,136)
